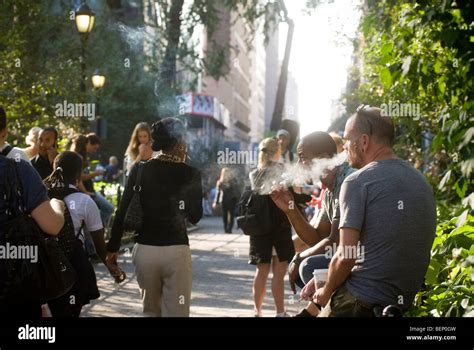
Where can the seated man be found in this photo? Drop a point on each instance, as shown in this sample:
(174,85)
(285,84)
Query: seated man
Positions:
(322,233)
(112,171)
(388,208)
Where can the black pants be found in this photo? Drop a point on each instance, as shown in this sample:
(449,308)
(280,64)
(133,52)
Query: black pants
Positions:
(65,307)
(228,213)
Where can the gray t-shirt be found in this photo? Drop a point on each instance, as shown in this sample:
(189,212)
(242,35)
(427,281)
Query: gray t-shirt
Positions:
(393,207)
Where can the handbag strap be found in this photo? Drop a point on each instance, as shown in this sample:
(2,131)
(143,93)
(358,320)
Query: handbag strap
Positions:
(138,188)
(256,181)
(6,150)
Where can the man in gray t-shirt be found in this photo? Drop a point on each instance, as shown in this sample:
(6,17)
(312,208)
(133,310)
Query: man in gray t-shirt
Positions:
(391,204)
(387,225)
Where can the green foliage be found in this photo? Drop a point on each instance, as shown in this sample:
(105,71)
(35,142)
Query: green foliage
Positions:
(419,53)
(448,289)
(40,61)
(110,190)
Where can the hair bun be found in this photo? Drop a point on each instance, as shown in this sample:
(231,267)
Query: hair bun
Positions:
(160,135)
(166,133)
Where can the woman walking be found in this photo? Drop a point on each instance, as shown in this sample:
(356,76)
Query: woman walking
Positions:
(170,193)
(275,249)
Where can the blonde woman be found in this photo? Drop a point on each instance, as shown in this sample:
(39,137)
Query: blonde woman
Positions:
(139,147)
(338,140)
(276,249)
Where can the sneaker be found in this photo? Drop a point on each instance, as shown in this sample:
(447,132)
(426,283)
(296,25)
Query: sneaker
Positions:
(283,314)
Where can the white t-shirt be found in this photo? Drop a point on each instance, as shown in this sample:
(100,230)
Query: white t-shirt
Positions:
(16,153)
(83,209)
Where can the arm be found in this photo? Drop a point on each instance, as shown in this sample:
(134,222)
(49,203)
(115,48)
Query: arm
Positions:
(318,248)
(99,243)
(117,229)
(309,234)
(82,188)
(340,266)
(217,198)
(109,260)
(321,246)
(90,176)
(194,209)
(49,216)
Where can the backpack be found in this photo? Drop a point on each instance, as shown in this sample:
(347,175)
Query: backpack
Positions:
(44,277)
(85,289)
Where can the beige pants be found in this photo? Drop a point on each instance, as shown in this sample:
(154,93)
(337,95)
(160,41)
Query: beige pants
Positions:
(164,275)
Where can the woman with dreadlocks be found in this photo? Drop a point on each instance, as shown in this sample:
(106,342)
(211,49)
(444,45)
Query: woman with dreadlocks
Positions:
(83,216)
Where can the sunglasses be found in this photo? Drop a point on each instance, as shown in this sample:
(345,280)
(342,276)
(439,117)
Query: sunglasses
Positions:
(363,110)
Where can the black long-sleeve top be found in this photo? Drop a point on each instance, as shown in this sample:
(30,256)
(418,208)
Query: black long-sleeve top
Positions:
(170,193)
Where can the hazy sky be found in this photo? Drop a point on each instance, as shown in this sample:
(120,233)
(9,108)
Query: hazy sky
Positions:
(320,57)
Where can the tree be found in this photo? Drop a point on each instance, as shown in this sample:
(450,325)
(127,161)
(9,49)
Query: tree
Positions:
(421,54)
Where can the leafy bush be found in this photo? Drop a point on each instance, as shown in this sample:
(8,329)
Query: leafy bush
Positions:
(448,289)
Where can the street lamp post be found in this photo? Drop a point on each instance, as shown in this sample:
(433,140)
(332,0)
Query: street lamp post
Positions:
(98,81)
(84,19)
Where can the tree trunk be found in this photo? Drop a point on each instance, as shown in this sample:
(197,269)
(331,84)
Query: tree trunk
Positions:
(281,91)
(173,35)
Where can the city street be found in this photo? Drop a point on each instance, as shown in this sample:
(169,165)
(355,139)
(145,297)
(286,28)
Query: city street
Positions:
(222,279)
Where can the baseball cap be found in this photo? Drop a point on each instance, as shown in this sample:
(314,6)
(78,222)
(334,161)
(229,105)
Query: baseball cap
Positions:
(283,132)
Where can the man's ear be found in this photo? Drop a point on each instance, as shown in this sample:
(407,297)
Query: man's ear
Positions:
(365,142)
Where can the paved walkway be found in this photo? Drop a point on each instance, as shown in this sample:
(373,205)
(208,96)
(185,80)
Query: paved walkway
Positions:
(222,279)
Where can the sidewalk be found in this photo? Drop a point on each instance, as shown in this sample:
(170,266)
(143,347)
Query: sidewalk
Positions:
(222,279)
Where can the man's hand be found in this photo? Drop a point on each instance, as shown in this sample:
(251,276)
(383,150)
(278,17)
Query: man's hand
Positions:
(111,258)
(283,199)
(115,271)
(308,291)
(293,273)
(321,296)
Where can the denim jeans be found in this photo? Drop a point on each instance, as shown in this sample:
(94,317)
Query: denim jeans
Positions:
(105,207)
(310,264)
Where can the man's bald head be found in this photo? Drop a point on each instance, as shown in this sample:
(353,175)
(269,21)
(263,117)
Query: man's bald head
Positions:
(318,144)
